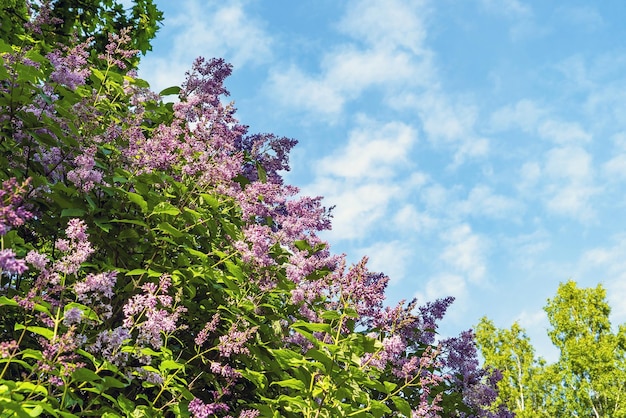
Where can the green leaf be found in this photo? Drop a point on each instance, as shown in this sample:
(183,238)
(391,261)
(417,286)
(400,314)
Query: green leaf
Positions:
(169,365)
(402,405)
(311,326)
(169,229)
(72,212)
(258,378)
(6,301)
(85,375)
(138,200)
(170,90)
(44,332)
(165,208)
(291,383)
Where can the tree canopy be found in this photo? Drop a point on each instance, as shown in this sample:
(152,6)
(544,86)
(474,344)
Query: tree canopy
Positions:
(589,377)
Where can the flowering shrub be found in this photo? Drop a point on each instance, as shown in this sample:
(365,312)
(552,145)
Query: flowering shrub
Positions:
(154,263)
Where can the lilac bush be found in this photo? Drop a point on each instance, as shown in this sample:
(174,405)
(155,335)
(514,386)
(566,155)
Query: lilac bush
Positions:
(154,262)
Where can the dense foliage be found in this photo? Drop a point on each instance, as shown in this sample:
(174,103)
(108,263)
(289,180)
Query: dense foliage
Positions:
(154,263)
(588,379)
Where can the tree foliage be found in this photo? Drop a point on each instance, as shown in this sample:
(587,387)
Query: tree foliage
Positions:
(589,377)
(154,263)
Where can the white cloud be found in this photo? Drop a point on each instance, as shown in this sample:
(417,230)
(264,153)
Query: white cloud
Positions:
(373,151)
(571,163)
(570,192)
(386,51)
(581,16)
(507,8)
(199,29)
(524,114)
(563,132)
(465,252)
(361,178)
(387,25)
(408,218)
(391,258)
(357,206)
(482,201)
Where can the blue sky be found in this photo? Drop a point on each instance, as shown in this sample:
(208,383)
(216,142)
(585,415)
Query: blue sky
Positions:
(474,149)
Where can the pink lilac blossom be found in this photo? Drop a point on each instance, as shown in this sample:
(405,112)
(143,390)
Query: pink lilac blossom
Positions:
(42,18)
(209,327)
(85,176)
(116,49)
(200,409)
(109,344)
(234,341)
(142,311)
(12,211)
(37,260)
(59,356)
(70,65)
(249,413)
(73,316)
(7,348)
(9,264)
(96,286)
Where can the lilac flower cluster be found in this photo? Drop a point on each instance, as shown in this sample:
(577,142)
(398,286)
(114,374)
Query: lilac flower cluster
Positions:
(109,344)
(70,65)
(12,208)
(116,50)
(152,312)
(234,341)
(85,176)
(59,358)
(200,409)
(9,264)
(77,247)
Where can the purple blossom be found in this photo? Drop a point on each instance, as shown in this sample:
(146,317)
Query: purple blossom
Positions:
(11,265)
(209,327)
(200,409)
(152,313)
(85,176)
(234,341)
(12,211)
(116,49)
(77,248)
(7,348)
(96,286)
(70,65)
(73,316)
(37,260)
(109,343)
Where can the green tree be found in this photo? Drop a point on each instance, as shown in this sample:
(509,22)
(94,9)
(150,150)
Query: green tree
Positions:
(511,352)
(64,20)
(588,379)
(591,363)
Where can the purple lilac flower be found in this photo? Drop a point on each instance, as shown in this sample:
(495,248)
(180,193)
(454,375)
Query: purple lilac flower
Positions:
(70,65)
(73,316)
(12,211)
(11,265)
(209,327)
(200,409)
(249,413)
(85,176)
(37,260)
(234,341)
(7,348)
(96,286)
(109,343)
(142,311)
(77,248)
